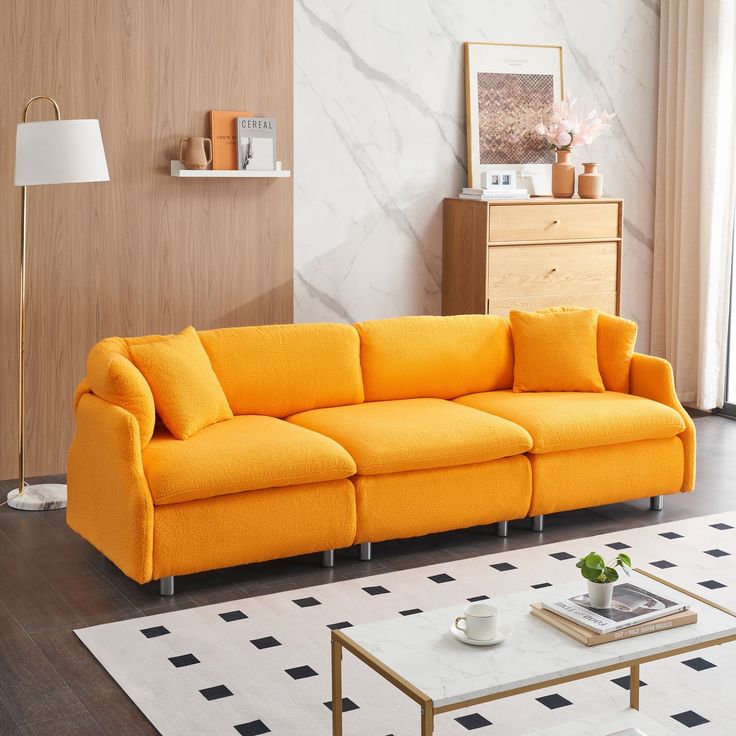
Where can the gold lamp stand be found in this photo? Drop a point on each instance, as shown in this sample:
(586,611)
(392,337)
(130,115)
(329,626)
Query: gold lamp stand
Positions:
(47,152)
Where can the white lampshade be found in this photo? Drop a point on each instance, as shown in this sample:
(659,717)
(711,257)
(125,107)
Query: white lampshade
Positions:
(59,152)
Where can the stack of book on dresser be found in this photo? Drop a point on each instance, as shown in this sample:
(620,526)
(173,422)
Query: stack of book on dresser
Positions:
(500,192)
(634,611)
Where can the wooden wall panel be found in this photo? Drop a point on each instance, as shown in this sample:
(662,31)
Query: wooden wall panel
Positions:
(144,253)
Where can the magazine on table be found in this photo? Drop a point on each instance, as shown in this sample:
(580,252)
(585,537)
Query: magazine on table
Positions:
(256,139)
(631,605)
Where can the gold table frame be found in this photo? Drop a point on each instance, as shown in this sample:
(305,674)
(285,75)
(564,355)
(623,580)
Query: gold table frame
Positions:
(340,641)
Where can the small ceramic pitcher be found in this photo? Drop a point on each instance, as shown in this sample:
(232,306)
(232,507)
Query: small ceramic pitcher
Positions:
(196,155)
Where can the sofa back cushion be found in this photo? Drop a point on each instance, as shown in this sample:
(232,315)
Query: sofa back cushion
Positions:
(279,370)
(435,357)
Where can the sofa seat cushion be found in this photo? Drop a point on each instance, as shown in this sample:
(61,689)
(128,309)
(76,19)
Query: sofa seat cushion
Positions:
(415,434)
(243,454)
(569,421)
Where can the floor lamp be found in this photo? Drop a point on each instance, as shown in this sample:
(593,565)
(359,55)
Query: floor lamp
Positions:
(48,152)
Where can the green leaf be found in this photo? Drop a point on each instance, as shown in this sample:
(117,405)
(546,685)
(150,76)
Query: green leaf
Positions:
(624,560)
(590,573)
(595,561)
(580,562)
(610,574)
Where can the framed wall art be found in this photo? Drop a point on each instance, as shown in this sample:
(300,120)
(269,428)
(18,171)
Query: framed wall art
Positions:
(509,88)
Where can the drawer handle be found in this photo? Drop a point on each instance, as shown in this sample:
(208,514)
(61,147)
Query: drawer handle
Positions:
(554,268)
(555,222)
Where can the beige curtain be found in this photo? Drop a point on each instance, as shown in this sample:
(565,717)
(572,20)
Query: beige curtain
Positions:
(695,194)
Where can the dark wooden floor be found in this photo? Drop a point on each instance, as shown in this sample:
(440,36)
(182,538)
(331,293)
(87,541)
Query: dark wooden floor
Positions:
(52,582)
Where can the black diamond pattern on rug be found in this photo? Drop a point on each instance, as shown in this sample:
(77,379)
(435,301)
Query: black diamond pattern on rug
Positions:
(254,728)
(473,721)
(347,705)
(154,631)
(670,535)
(690,718)
(410,611)
(717,553)
(265,642)
(376,590)
(554,701)
(307,602)
(663,564)
(503,566)
(721,526)
(477,598)
(625,682)
(443,577)
(233,616)
(712,584)
(216,692)
(542,585)
(299,673)
(618,545)
(339,625)
(698,664)
(183,660)
(561,556)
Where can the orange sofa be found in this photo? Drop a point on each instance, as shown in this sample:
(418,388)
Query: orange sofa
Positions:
(352,434)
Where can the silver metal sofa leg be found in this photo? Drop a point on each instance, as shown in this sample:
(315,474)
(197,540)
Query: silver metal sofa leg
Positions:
(167,585)
(538,523)
(656,503)
(328,558)
(365,551)
(502,528)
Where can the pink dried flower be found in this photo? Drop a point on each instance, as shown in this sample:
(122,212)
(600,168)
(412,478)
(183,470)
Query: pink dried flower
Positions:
(565,130)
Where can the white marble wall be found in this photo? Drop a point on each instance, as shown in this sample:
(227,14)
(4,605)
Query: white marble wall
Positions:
(380,137)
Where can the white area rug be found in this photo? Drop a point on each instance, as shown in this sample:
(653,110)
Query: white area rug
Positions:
(262,665)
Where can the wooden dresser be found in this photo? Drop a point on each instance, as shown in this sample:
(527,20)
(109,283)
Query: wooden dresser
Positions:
(529,254)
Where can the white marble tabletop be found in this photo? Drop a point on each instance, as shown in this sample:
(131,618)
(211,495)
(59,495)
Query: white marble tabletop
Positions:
(421,648)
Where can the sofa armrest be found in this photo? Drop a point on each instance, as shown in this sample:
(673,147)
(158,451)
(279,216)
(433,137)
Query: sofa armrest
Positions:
(652,378)
(109,502)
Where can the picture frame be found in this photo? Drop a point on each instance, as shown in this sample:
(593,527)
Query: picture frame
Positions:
(508,89)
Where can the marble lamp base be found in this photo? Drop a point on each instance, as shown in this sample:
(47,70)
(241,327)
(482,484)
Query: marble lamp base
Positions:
(39,497)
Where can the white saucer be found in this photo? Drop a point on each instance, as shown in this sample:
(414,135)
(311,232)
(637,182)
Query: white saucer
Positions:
(462,636)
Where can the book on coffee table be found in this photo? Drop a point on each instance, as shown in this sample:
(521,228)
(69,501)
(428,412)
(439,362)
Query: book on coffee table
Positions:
(631,605)
(591,639)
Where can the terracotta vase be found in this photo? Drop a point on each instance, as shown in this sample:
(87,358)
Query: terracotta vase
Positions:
(590,182)
(563,176)
(195,157)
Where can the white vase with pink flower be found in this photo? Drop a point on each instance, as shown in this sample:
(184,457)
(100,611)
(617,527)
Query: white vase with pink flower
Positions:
(563,132)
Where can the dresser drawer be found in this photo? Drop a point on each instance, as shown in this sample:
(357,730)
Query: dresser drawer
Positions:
(606,301)
(527,223)
(537,270)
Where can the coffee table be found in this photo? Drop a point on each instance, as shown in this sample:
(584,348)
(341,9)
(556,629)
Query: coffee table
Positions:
(419,656)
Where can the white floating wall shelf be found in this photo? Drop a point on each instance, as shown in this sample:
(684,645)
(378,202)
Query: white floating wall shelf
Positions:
(177,169)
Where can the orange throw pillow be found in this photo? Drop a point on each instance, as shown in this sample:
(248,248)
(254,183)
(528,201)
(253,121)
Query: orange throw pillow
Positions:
(186,392)
(556,351)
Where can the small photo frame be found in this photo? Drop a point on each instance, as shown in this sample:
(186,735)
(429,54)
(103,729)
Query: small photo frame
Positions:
(498,179)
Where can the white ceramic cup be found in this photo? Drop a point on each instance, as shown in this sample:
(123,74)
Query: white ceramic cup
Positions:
(479,621)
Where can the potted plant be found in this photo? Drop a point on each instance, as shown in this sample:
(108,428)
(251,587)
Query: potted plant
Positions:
(602,576)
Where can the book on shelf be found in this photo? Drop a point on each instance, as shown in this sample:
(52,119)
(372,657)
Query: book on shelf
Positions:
(222,134)
(591,639)
(256,143)
(493,193)
(631,605)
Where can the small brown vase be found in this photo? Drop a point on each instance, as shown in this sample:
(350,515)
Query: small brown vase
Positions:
(590,182)
(563,176)
(195,157)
